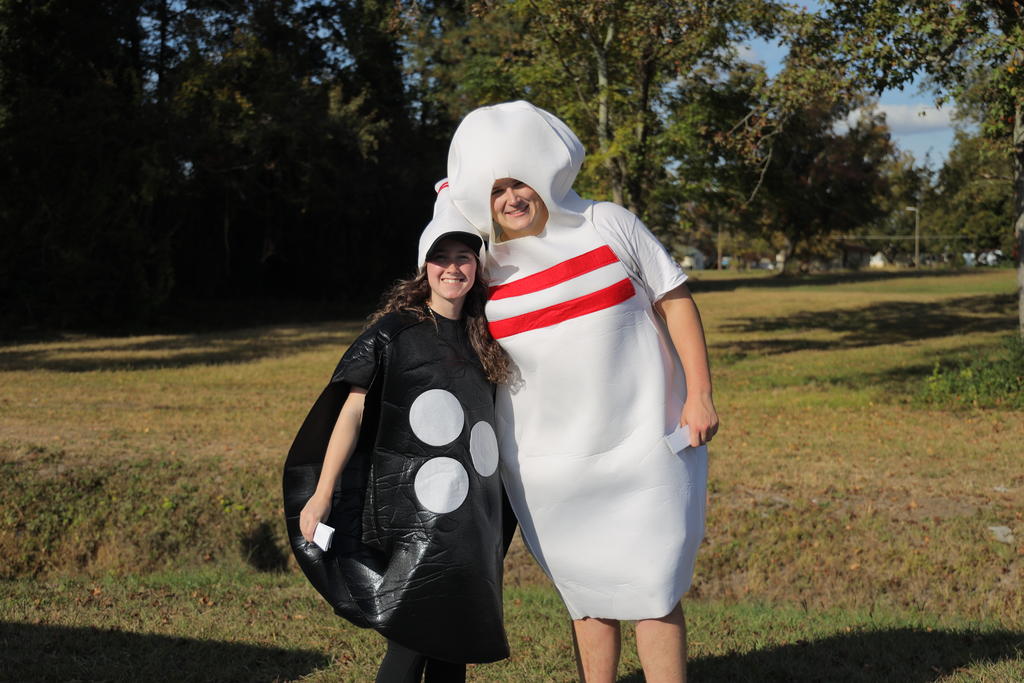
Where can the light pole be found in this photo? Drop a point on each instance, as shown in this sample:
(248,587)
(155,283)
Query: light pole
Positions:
(917,236)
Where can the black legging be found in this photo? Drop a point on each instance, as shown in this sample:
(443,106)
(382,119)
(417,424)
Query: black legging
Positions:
(402,665)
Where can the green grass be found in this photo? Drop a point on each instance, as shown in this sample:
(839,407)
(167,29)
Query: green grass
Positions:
(848,528)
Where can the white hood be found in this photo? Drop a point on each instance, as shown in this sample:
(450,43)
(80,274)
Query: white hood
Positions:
(514,140)
(447,222)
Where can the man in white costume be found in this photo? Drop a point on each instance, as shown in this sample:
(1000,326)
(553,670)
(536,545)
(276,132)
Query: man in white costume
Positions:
(602,439)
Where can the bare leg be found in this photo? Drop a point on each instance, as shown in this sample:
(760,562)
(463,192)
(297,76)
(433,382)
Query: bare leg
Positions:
(661,644)
(597,643)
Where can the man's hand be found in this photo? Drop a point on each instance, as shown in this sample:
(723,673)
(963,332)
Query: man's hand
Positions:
(700,415)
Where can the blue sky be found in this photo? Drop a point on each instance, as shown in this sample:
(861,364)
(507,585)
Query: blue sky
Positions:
(928,134)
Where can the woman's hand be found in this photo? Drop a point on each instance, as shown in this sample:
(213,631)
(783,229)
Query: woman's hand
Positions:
(339,450)
(700,414)
(316,510)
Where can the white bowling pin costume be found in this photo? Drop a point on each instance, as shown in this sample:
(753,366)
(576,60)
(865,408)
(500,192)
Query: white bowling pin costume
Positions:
(608,504)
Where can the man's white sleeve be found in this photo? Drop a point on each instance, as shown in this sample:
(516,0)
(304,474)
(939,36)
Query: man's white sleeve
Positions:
(640,251)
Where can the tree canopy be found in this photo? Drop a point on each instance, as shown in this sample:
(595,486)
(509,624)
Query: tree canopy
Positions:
(162,148)
(158,151)
(969,50)
(973,196)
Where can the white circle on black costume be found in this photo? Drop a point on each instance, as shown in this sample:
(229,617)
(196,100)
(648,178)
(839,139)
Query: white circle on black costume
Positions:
(441,484)
(436,417)
(483,446)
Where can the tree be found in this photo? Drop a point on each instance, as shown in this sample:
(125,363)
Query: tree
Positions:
(678,128)
(970,50)
(909,184)
(820,181)
(154,150)
(609,68)
(709,183)
(77,203)
(814,180)
(973,196)
(275,150)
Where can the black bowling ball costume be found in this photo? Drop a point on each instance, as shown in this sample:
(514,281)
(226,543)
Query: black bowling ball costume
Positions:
(402,561)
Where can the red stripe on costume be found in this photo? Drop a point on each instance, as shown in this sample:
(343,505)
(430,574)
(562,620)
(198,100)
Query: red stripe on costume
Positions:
(574,308)
(566,270)
(443,185)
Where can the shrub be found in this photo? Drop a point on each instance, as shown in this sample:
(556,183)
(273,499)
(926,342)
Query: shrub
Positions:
(993,382)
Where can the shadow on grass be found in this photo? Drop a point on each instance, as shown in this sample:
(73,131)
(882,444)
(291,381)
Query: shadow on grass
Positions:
(903,654)
(896,379)
(815,279)
(890,322)
(262,550)
(225,348)
(58,653)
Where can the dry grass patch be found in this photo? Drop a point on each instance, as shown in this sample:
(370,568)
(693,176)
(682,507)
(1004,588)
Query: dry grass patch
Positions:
(831,485)
(239,393)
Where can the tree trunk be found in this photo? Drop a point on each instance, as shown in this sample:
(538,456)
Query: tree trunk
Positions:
(790,266)
(227,239)
(635,178)
(161,55)
(604,124)
(1018,206)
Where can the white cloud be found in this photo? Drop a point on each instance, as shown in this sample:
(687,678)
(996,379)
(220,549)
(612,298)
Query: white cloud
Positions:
(906,119)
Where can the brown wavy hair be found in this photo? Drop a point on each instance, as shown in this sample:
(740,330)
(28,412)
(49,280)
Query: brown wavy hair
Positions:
(411,296)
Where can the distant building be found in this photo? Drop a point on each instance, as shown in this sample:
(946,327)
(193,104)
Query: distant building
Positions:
(990,258)
(693,259)
(878,260)
(853,255)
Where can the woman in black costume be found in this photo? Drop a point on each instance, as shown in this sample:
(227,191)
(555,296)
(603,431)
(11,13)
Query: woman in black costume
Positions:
(399,455)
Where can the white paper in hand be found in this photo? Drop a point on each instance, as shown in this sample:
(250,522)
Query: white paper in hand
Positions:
(322,536)
(679,439)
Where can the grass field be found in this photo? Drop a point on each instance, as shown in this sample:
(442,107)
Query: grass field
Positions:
(848,532)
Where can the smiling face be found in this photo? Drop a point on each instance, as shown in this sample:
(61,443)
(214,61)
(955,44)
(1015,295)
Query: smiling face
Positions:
(517,209)
(451,271)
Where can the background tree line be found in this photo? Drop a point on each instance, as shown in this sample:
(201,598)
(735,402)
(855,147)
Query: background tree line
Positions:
(157,152)
(204,149)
